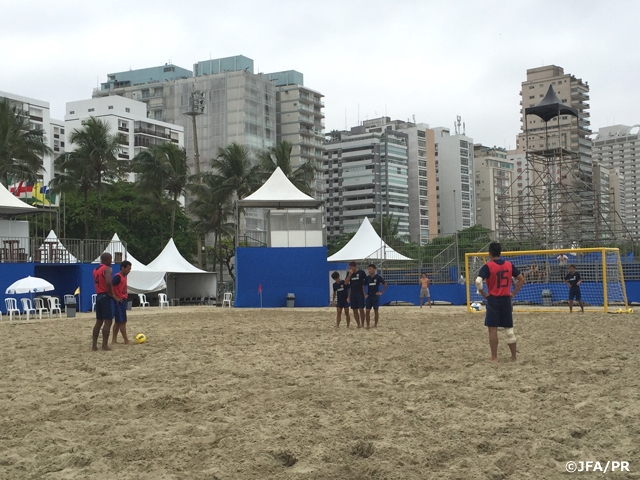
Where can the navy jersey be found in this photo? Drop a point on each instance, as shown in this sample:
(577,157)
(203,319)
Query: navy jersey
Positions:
(573,279)
(373,283)
(498,274)
(356,281)
(342,291)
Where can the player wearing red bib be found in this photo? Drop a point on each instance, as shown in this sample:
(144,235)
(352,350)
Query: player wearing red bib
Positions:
(498,275)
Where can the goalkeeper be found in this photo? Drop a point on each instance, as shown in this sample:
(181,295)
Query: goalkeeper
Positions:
(498,274)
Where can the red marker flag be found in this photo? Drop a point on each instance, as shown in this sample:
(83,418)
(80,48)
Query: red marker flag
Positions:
(260,288)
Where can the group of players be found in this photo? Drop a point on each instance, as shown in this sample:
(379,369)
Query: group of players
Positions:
(359,290)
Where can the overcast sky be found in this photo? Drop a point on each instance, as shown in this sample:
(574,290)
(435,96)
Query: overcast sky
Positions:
(431,59)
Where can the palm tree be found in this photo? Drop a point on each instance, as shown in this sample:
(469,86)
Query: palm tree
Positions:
(75,175)
(21,149)
(237,176)
(156,205)
(99,149)
(302,177)
(163,168)
(388,228)
(213,208)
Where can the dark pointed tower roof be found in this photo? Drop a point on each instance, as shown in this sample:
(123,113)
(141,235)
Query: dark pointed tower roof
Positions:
(550,106)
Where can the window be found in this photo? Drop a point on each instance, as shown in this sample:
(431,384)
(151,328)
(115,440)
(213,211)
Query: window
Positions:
(464,170)
(423,183)
(91,109)
(71,112)
(110,107)
(464,144)
(127,109)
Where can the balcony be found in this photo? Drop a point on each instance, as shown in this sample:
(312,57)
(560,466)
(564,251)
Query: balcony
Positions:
(62,250)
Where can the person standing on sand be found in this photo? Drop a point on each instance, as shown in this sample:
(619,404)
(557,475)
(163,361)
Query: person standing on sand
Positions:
(372,295)
(356,279)
(573,281)
(340,290)
(498,274)
(104,310)
(120,296)
(424,289)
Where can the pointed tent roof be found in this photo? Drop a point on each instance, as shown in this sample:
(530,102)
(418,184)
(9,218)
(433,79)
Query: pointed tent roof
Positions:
(171,261)
(550,107)
(366,244)
(10,205)
(141,279)
(53,238)
(279,192)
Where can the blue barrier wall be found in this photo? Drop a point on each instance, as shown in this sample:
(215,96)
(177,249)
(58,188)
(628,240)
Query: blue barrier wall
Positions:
(301,271)
(64,277)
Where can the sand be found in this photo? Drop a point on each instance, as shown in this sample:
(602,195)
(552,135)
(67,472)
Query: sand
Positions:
(234,394)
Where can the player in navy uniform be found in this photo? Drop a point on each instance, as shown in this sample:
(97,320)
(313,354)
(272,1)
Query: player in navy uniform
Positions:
(356,279)
(340,290)
(372,294)
(573,280)
(498,274)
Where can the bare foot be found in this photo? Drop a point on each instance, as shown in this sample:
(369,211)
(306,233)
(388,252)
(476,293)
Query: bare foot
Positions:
(513,359)
(94,348)
(106,349)
(115,341)
(127,342)
(494,359)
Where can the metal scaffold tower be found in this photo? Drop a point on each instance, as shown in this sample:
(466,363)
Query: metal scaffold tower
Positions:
(554,201)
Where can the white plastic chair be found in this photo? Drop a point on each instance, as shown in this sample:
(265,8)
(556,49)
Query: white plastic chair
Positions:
(12,307)
(143,300)
(54,305)
(40,307)
(227,299)
(162,298)
(27,307)
(93,302)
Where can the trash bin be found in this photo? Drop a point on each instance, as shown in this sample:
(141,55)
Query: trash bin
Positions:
(546,298)
(291,300)
(129,304)
(71,310)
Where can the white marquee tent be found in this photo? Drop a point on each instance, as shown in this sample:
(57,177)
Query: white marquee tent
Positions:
(11,205)
(141,279)
(185,279)
(366,244)
(279,192)
(53,251)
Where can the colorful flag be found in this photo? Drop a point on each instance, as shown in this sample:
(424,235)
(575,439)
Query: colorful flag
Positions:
(77,292)
(260,288)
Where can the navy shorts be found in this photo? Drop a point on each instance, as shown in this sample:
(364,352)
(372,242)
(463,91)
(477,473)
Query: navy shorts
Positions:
(499,312)
(357,301)
(120,309)
(373,301)
(574,293)
(342,304)
(104,307)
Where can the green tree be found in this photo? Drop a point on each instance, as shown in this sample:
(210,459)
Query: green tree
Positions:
(236,174)
(303,177)
(163,168)
(388,228)
(21,149)
(99,150)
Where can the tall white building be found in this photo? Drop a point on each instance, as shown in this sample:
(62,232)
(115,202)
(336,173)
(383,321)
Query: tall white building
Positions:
(454,177)
(493,173)
(39,114)
(366,175)
(618,148)
(124,116)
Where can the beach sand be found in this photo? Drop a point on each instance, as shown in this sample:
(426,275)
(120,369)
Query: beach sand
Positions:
(281,393)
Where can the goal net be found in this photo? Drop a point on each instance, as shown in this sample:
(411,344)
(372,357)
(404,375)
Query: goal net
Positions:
(544,271)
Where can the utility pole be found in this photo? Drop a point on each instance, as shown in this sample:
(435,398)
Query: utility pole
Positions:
(194,110)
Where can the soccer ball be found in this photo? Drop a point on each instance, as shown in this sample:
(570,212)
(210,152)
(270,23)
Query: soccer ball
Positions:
(141,338)
(629,310)
(475,306)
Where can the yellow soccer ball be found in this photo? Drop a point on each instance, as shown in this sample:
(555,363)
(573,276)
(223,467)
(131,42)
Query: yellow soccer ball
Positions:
(141,338)
(629,310)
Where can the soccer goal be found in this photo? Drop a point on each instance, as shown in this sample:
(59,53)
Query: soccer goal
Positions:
(544,271)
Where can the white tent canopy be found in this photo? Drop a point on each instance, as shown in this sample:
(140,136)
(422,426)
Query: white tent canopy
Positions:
(10,205)
(279,192)
(141,279)
(187,280)
(52,250)
(366,244)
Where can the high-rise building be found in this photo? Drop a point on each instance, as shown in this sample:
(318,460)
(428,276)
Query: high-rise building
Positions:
(493,173)
(38,114)
(366,175)
(299,120)
(127,117)
(617,147)
(454,177)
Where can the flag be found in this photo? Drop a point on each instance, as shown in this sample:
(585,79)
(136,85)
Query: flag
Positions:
(77,292)
(260,288)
